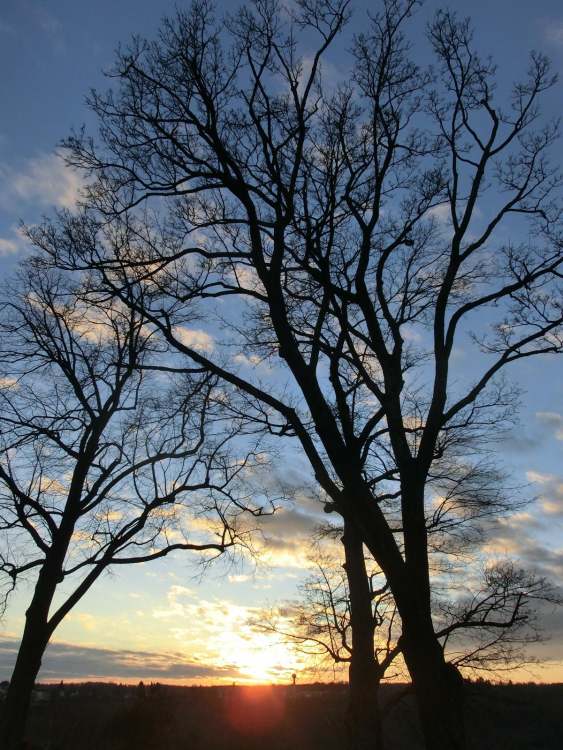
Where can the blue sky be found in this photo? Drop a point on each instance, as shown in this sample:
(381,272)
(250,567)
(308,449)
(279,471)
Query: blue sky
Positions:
(51,53)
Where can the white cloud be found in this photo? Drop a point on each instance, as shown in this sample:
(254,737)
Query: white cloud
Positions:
(285,537)
(330,75)
(14,243)
(409,333)
(8,382)
(551,493)
(239,578)
(521,537)
(552,419)
(441,213)
(195,338)
(551,507)
(219,633)
(252,361)
(536,476)
(43,181)
(7,247)
(246,278)
(176,594)
(86,620)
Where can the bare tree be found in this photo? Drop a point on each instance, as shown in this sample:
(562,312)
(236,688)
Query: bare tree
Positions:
(96,469)
(491,628)
(322,210)
(345,616)
(487,631)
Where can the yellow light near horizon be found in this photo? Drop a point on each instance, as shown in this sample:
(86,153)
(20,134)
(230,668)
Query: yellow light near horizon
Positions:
(225,636)
(264,659)
(220,633)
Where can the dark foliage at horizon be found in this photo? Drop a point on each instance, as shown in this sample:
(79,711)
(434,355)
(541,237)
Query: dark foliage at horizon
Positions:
(117,717)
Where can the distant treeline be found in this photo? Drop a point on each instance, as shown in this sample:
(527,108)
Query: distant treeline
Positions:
(152,716)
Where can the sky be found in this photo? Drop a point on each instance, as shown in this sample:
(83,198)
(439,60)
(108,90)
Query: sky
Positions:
(167,621)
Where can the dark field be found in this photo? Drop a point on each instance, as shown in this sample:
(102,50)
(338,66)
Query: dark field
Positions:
(307,717)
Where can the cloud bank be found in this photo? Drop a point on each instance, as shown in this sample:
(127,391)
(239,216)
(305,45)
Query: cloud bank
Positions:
(74,662)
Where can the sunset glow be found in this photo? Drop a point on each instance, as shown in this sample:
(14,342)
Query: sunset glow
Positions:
(239,403)
(264,659)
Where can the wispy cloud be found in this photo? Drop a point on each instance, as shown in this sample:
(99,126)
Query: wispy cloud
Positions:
(195,338)
(44,181)
(287,534)
(522,536)
(550,492)
(8,382)
(7,247)
(219,632)
(248,361)
(13,243)
(329,75)
(514,542)
(441,212)
(552,420)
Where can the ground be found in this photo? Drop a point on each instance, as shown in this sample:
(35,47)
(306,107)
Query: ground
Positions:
(305,717)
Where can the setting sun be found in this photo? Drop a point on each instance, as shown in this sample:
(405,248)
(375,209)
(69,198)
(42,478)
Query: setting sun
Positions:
(260,660)
(267,661)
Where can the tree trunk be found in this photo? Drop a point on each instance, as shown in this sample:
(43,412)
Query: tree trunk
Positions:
(363,719)
(34,641)
(37,631)
(16,708)
(439,692)
(438,686)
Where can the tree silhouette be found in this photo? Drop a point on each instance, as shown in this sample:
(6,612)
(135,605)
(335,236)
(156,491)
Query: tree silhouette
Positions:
(97,470)
(322,209)
(346,615)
